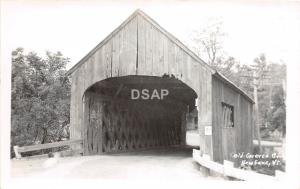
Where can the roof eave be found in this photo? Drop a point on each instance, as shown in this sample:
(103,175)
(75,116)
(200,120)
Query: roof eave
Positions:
(233,86)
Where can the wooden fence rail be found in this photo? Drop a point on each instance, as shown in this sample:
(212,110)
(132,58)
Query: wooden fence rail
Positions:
(228,170)
(18,150)
(268,143)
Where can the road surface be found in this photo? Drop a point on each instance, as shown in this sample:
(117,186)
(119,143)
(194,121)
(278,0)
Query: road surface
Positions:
(173,163)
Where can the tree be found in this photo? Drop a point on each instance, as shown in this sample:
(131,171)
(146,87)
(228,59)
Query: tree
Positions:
(207,43)
(278,111)
(277,118)
(270,79)
(40,98)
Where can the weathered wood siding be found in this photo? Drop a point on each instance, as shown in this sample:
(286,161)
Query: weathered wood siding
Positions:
(140,48)
(230,140)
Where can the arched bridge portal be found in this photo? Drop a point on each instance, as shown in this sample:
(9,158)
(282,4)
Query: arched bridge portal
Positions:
(136,112)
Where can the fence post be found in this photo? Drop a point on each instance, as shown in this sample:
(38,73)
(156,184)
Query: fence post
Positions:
(227,169)
(18,155)
(279,174)
(205,171)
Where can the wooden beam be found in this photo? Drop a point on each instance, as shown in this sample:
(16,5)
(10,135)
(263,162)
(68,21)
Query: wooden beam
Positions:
(119,90)
(48,145)
(268,143)
(17,153)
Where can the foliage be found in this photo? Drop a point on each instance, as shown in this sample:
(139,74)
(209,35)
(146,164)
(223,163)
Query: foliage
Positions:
(207,42)
(271,77)
(40,98)
(271,94)
(278,111)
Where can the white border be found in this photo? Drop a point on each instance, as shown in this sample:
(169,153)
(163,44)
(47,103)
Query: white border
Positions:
(292,179)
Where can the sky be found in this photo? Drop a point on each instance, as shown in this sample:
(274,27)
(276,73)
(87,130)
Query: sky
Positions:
(75,27)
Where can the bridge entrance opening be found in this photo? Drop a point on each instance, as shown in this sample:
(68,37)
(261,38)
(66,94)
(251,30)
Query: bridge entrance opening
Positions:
(133,113)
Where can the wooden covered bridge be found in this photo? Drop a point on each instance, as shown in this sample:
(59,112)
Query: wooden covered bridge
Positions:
(135,89)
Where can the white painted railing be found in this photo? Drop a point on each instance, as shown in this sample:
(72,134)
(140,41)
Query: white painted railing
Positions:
(268,143)
(227,169)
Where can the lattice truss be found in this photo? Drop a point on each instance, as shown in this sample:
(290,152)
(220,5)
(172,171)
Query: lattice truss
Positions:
(115,126)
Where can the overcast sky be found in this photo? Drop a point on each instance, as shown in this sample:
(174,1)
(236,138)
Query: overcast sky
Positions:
(75,27)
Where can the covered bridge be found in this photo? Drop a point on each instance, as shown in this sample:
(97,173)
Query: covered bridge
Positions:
(135,89)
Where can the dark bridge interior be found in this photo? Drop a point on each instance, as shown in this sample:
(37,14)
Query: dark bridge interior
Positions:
(119,120)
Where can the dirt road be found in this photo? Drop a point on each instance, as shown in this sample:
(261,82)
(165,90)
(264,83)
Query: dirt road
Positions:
(173,163)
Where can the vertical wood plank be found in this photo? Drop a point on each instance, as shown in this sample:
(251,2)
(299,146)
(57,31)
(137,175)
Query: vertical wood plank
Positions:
(132,47)
(115,55)
(141,46)
(108,59)
(86,123)
(149,53)
(171,57)
(155,56)
(166,55)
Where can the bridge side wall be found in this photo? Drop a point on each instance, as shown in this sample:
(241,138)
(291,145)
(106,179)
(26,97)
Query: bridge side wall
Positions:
(227,141)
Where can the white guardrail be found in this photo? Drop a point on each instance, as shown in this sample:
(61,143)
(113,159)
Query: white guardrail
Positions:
(227,169)
(268,143)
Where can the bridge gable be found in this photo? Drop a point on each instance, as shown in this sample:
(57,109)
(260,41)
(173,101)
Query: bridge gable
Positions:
(129,42)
